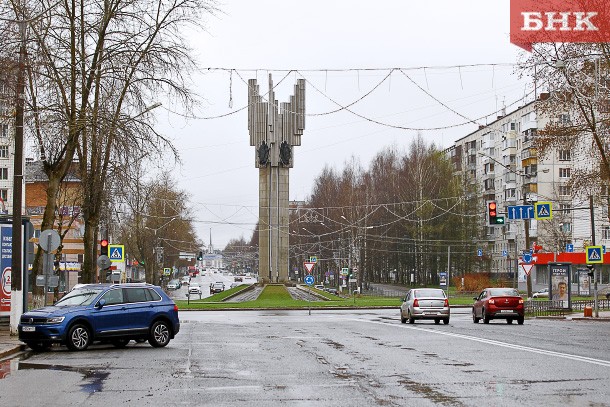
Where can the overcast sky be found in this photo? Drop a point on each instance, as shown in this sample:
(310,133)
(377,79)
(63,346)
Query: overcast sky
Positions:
(343,49)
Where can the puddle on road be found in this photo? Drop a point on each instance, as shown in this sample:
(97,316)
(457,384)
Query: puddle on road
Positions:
(94,379)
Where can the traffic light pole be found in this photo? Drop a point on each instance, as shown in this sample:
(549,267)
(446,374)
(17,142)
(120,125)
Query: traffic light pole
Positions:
(595,301)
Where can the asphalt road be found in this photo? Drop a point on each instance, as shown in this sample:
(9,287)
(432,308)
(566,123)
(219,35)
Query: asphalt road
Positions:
(328,358)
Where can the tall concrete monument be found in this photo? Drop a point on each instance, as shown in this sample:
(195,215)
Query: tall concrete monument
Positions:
(274,130)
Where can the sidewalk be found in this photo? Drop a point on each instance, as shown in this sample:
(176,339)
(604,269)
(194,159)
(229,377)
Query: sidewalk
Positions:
(9,344)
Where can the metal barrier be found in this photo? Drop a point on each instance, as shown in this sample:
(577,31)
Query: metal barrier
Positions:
(545,308)
(581,304)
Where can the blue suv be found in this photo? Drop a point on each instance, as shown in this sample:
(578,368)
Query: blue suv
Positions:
(114,313)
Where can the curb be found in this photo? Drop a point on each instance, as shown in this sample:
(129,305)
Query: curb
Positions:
(10,351)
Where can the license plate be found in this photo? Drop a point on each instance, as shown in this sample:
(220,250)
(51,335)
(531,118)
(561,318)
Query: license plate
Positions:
(28,329)
(507,310)
(430,313)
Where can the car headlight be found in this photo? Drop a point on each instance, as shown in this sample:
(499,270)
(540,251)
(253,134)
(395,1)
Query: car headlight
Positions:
(55,320)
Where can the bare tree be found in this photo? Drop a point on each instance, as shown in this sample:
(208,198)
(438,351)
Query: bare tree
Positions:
(93,68)
(156,215)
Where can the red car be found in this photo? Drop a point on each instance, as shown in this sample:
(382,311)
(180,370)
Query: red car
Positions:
(498,303)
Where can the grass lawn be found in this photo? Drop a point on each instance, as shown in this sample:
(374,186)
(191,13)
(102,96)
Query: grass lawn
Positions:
(276,296)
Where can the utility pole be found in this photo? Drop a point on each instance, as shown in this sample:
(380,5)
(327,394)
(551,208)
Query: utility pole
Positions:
(17,256)
(526,223)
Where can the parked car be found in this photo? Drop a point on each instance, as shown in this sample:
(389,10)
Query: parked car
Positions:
(333,291)
(544,293)
(217,287)
(319,287)
(498,303)
(425,303)
(174,285)
(194,289)
(239,278)
(115,313)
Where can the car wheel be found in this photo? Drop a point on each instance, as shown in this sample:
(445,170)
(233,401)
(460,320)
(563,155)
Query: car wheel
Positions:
(437,321)
(475,319)
(509,321)
(79,337)
(446,321)
(402,319)
(38,346)
(159,334)
(520,320)
(120,343)
(485,317)
(411,319)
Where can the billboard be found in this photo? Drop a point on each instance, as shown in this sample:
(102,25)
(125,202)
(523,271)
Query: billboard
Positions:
(6,245)
(560,287)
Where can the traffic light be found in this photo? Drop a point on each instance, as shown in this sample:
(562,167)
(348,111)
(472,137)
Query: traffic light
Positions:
(591,271)
(104,247)
(200,256)
(492,214)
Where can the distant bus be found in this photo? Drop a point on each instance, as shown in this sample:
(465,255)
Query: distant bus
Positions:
(193,271)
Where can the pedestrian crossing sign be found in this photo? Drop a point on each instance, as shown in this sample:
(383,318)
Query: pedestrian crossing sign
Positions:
(543,210)
(594,255)
(116,252)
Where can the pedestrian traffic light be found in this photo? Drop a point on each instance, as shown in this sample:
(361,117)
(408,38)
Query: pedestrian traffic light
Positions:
(591,271)
(492,214)
(200,256)
(104,247)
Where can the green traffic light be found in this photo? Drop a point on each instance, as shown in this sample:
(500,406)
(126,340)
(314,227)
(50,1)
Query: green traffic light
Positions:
(500,220)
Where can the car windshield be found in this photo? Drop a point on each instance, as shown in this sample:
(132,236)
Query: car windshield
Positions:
(82,296)
(429,293)
(503,292)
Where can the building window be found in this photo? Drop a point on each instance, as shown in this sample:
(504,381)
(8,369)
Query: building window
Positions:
(3,130)
(564,118)
(566,227)
(3,173)
(564,173)
(510,193)
(606,232)
(565,155)
(4,194)
(564,190)
(3,151)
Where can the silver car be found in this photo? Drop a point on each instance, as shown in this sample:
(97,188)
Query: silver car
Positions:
(425,303)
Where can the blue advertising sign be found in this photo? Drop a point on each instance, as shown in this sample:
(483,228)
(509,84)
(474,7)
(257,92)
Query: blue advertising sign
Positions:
(6,237)
(442,278)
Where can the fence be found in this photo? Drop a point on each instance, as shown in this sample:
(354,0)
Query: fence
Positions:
(546,308)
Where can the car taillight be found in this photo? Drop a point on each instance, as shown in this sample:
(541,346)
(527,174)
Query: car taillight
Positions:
(175,308)
(446,302)
(416,303)
(491,301)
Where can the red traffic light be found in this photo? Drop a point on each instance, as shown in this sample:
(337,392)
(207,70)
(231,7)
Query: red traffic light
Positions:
(104,243)
(492,209)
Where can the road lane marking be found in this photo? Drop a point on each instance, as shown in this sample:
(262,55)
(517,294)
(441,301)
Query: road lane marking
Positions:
(568,356)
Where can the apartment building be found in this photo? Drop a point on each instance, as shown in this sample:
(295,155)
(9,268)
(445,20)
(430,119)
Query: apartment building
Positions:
(501,164)
(7,136)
